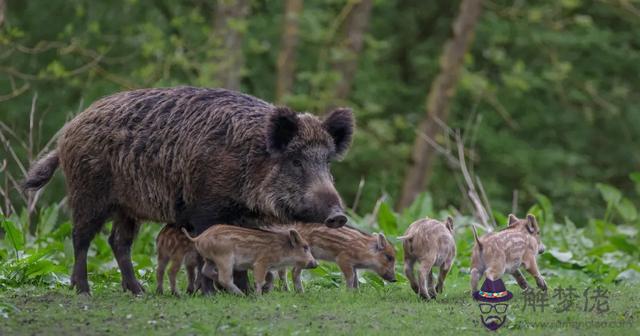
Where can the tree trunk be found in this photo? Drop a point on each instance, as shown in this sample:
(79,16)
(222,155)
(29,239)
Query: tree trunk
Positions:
(438,101)
(228,30)
(355,26)
(3,8)
(287,56)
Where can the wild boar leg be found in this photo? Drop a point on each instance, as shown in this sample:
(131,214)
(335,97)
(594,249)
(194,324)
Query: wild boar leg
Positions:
(173,273)
(522,282)
(122,235)
(409,264)
(163,260)
(90,210)
(259,275)
(282,275)
(532,267)
(444,270)
(296,274)
(225,276)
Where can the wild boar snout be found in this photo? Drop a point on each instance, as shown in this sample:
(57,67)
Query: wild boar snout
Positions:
(336,218)
(325,202)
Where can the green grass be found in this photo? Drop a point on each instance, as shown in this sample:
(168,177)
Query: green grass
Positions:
(328,311)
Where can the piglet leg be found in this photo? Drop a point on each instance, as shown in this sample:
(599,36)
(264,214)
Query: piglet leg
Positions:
(522,282)
(296,274)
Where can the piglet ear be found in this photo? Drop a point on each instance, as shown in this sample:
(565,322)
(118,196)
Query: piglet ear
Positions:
(281,129)
(532,223)
(450,224)
(294,238)
(512,219)
(340,124)
(381,241)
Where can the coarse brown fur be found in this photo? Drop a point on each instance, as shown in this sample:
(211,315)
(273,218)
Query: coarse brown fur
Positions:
(350,248)
(174,247)
(430,243)
(230,248)
(195,157)
(506,250)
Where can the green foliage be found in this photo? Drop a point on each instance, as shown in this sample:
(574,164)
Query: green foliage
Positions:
(546,100)
(604,250)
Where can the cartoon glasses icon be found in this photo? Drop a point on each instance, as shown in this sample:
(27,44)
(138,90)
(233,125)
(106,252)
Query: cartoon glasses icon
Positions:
(500,308)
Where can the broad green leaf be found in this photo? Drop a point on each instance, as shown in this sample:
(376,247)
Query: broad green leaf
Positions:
(627,210)
(561,256)
(609,193)
(623,244)
(635,177)
(48,219)
(13,236)
(387,220)
(629,276)
(547,209)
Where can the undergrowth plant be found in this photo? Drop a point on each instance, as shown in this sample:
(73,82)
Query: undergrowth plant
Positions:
(603,249)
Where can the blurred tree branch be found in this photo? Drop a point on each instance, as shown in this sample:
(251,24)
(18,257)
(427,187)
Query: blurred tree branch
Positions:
(229,28)
(438,101)
(354,28)
(287,56)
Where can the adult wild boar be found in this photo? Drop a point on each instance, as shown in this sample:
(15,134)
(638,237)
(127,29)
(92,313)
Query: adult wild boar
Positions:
(195,157)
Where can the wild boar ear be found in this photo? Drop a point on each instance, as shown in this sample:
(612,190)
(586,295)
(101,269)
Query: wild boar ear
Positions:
(381,241)
(532,223)
(340,124)
(282,128)
(450,223)
(294,238)
(512,219)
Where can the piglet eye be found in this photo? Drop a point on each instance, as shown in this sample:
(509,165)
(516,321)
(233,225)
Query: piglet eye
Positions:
(297,163)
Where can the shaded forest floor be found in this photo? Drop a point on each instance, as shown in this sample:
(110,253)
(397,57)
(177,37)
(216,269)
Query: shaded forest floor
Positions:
(392,309)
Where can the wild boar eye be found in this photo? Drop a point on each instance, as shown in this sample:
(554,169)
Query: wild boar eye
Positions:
(297,163)
(306,248)
(388,257)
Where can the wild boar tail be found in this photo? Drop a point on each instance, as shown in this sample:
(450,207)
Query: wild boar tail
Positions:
(186,233)
(41,171)
(475,236)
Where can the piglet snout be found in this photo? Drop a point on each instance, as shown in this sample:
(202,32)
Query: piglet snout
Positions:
(391,277)
(312,264)
(541,249)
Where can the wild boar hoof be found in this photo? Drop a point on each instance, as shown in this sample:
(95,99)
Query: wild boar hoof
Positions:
(133,286)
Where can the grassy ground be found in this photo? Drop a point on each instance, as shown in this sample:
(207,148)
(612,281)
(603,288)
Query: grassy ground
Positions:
(392,309)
